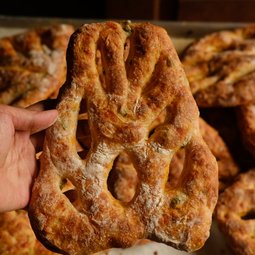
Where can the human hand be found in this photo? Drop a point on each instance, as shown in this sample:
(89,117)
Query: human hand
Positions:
(20,137)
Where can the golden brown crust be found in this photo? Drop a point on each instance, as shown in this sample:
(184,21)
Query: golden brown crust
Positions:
(33,64)
(246,122)
(127,75)
(221,67)
(235,214)
(123,177)
(17,236)
(228,168)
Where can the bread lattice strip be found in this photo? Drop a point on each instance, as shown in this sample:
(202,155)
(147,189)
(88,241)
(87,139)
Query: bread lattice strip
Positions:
(125,89)
(123,176)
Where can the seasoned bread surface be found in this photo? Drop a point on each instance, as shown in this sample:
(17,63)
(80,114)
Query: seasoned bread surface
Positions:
(17,236)
(122,77)
(221,67)
(33,64)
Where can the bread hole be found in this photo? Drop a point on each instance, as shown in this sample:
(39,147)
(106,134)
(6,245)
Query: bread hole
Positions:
(250,215)
(83,138)
(69,190)
(161,118)
(71,195)
(126,50)
(151,133)
(100,69)
(122,179)
(66,184)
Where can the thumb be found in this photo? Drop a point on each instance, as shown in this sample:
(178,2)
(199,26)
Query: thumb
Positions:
(27,120)
(42,120)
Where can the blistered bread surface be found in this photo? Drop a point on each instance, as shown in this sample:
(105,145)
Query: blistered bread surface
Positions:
(33,64)
(123,76)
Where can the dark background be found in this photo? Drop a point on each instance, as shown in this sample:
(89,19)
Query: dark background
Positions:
(173,10)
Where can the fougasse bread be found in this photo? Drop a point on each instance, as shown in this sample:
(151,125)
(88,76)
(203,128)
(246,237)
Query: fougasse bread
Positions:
(122,76)
(220,67)
(33,64)
(17,236)
(235,214)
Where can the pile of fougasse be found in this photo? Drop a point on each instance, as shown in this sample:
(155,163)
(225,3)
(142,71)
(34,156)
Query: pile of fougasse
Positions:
(144,162)
(220,68)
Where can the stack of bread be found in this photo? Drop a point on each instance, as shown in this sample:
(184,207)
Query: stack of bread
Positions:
(143,147)
(220,68)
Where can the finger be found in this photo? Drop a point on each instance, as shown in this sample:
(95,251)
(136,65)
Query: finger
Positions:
(43,120)
(27,120)
(6,136)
